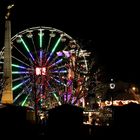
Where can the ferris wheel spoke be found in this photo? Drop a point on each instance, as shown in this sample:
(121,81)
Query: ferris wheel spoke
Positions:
(40,37)
(54,48)
(20,94)
(26,47)
(20,78)
(51,87)
(40,44)
(58,54)
(53,60)
(20,72)
(15,99)
(57,98)
(34,48)
(19,51)
(49,42)
(55,63)
(25,100)
(40,56)
(60,67)
(21,61)
(59,71)
(20,84)
(58,81)
(18,66)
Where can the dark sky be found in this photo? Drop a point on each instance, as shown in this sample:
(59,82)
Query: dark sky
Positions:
(111,30)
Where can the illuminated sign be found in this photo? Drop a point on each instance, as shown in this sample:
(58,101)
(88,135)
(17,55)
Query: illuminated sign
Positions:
(40,70)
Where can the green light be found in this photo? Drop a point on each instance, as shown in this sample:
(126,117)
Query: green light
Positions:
(57,98)
(17,66)
(54,48)
(24,44)
(26,47)
(58,41)
(17,86)
(20,84)
(40,38)
(20,72)
(23,103)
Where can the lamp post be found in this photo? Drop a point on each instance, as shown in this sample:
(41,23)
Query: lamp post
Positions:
(134,90)
(35,97)
(112,87)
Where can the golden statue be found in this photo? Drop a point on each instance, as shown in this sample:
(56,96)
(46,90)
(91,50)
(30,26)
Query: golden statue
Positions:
(9,7)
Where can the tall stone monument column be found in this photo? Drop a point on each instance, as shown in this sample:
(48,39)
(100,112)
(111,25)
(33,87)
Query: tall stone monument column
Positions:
(7,95)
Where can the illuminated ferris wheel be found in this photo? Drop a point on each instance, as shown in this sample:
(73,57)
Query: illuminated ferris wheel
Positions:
(48,68)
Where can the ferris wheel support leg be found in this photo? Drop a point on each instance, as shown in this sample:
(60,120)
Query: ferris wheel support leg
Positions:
(83,102)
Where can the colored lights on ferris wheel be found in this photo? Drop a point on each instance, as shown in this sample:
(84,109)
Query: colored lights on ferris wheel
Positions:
(59,53)
(41,34)
(18,40)
(67,54)
(52,34)
(47,67)
(63,39)
(29,35)
(72,41)
(72,44)
(62,35)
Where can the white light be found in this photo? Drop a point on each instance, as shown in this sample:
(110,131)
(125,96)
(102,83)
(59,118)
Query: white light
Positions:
(40,71)
(112,85)
(52,34)
(133,88)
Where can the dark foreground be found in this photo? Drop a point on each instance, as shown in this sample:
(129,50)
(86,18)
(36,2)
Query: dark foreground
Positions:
(66,123)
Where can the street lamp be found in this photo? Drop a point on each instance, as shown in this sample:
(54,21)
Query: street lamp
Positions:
(112,84)
(134,88)
(112,87)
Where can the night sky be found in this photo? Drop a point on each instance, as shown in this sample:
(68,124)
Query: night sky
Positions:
(110,30)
